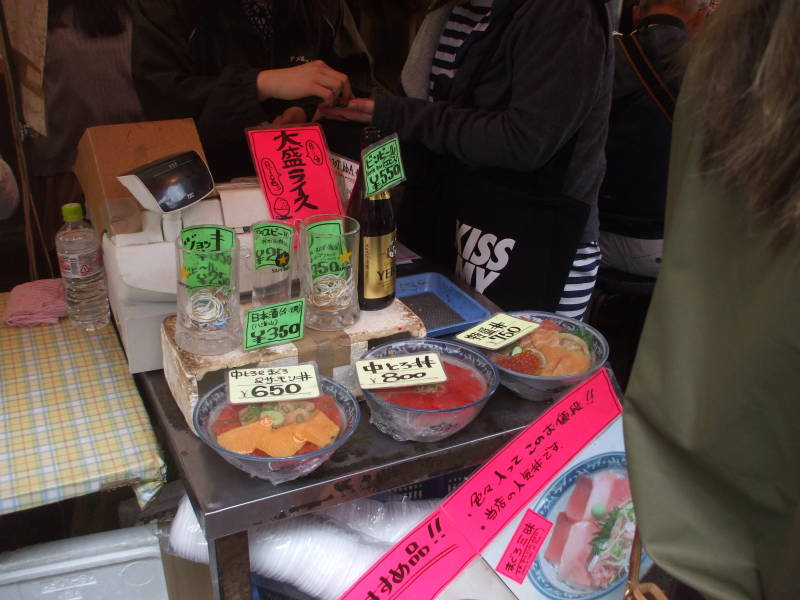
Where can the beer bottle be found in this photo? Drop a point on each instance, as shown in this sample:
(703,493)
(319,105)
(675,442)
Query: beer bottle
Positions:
(376,266)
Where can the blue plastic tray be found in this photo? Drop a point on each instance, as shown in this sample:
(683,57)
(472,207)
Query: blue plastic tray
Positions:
(442,305)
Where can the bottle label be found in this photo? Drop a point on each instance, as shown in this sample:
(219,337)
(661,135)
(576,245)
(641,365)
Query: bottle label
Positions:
(379,267)
(76,266)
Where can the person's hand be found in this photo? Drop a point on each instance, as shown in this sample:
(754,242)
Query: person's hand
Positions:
(293,114)
(310,79)
(358,109)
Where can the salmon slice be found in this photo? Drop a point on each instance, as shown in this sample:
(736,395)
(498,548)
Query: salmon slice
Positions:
(576,505)
(560,532)
(318,429)
(244,439)
(620,492)
(281,442)
(575,556)
(602,488)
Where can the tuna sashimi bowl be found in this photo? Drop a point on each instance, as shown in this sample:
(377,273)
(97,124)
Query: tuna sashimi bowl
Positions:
(586,554)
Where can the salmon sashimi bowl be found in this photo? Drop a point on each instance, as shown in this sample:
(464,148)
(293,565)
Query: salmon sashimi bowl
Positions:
(587,551)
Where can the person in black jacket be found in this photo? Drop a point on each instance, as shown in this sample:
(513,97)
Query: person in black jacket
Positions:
(505,129)
(234,64)
(634,190)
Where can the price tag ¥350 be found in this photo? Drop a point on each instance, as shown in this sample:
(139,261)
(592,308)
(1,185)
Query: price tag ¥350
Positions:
(272,384)
(400,371)
(274,324)
(497,331)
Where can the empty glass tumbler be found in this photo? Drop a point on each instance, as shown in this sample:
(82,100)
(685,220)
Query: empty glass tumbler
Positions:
(328,265)
(208,321)
(272,261)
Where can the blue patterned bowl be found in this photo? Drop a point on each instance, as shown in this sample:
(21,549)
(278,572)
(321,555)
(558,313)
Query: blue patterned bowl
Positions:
(276,470)
(422,425)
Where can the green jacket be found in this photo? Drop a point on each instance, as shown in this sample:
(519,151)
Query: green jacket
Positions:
(712,421)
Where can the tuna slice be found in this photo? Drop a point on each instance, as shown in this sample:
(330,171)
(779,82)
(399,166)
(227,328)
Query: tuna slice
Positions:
(577,549)
(620,493)
(576,505)
(556,545)
(602,488)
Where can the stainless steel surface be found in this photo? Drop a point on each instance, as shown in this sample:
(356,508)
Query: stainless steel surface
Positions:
(228,500)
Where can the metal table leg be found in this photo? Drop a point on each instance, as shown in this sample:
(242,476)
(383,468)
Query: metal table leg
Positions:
(229,560)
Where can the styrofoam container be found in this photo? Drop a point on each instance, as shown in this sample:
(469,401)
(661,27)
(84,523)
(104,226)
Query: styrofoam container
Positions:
(124,564)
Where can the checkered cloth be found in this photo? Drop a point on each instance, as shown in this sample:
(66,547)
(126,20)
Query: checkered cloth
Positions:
(71,419)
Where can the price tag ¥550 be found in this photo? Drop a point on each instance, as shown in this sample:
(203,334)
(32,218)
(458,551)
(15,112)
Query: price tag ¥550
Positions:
(400,371)
(497,331)
(272,384)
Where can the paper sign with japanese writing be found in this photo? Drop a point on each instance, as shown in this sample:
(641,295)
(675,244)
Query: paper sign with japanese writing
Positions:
(207,256)
(272,384)
(586,552)
(400,371)
(497,494)
(272,246)
(295,171)
(419,566)
(501,488)
(274,324)
(383,165)
(525,543)
(497,331)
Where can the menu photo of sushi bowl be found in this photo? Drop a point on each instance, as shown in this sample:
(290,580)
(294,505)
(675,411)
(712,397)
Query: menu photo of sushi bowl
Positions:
(277,440)
(426,412)
(587,552)
(556,356)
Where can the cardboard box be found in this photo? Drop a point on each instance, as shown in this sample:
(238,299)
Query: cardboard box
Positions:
(106,151)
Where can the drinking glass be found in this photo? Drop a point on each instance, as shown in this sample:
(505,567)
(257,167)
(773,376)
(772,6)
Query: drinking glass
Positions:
(272,261)
(208,321)
(328,266)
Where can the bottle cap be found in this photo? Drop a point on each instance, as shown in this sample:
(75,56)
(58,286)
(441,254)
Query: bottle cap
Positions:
(72,212)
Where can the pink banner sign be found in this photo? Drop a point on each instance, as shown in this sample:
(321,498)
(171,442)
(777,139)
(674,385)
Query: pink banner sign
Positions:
(419,566)
(524,546)
(495,494)
(484,504)
(295,171)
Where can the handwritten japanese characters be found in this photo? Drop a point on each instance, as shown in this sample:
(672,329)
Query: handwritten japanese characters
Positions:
(400,371)
(525,543)
(497,331)
(274,324)
(383,165)
(272,384)
(295,171)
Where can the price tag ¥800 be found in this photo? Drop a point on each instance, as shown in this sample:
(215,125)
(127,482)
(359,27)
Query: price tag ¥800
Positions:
(497,331)
(274,324)
(400,371)
(272,384)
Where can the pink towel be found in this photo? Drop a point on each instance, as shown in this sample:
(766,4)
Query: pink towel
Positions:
(36,303)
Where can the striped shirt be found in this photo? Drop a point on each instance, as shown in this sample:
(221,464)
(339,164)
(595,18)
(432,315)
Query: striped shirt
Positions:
(580,281)
(465,24)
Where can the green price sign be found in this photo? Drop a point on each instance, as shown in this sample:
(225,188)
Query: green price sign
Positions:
(274,324)
(328,253)
(272,245)
(207,257)
(383,165)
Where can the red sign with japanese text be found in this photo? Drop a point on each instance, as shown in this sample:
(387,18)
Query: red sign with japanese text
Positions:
(484,504)
(295,171)
(524,546)
(420,565)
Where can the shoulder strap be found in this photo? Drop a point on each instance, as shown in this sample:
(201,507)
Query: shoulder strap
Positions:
(650,78)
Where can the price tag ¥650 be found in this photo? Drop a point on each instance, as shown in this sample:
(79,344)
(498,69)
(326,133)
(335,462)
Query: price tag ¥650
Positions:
(272,384)
(497,331)
(400,371)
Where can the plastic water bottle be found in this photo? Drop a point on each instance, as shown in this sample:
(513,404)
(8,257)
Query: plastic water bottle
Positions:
(81,261)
